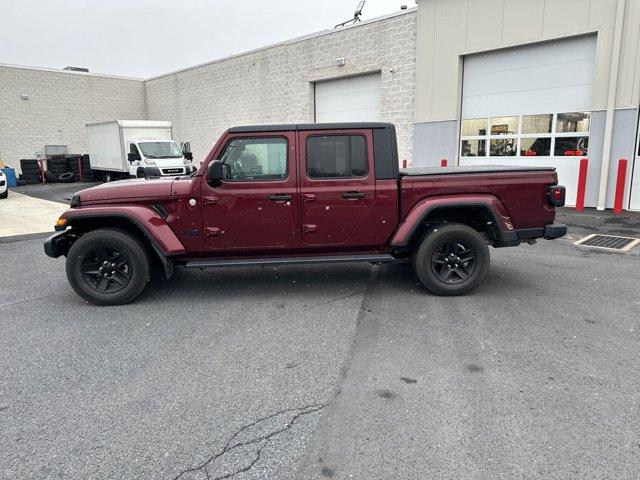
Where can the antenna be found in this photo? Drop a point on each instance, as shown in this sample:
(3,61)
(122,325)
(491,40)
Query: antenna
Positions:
(356,15)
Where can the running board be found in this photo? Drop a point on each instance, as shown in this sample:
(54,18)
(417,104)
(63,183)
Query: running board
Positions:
(244,262)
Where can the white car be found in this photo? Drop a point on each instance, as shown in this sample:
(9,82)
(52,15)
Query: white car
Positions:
(4,187)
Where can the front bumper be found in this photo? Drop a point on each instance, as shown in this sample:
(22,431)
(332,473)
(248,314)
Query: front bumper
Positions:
(58,244)
(554,230)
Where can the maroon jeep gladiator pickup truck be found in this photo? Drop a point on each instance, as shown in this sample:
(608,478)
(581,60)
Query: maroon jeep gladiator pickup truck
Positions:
(318,193)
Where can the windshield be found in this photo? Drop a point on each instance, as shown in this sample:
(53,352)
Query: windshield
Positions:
(160,150)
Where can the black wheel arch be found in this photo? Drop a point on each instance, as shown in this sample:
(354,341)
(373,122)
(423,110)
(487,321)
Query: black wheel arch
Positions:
(79,225)
(479,216)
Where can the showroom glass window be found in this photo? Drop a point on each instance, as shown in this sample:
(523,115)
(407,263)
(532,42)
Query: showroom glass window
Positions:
(538,135)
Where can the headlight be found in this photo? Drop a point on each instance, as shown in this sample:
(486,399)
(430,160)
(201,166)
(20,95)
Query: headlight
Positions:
(150,162)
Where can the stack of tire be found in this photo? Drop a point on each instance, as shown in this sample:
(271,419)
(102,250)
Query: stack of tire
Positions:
(79,164)
(30,171)
(58,170)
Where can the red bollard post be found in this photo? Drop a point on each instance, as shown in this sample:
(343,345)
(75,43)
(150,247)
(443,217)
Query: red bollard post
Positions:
(80,168)
(622,176)
(443,162)
(582,184)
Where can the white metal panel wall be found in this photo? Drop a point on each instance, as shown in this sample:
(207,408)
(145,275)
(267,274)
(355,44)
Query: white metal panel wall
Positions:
(105,148)
(547,77)
(350,99)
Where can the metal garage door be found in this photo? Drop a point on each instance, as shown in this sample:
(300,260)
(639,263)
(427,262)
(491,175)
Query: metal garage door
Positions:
(351,99)
(529,106)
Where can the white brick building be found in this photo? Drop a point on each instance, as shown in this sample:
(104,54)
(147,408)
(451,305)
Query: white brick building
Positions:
(57,106)
(274,84)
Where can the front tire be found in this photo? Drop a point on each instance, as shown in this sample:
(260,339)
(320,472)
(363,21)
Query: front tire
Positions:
(108,267)
(4,194)
(451,259)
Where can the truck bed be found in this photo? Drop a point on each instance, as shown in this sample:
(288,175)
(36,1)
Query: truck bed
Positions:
(415,171)
(522,190)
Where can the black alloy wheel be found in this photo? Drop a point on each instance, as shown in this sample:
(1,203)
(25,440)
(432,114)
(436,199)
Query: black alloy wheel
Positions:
(108,266)
(453,261)
(106,269)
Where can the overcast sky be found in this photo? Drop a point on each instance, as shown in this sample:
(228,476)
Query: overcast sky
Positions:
(144,38)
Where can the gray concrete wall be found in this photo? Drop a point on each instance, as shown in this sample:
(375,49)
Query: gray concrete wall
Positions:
(275,84)
(625,123)
(60,103)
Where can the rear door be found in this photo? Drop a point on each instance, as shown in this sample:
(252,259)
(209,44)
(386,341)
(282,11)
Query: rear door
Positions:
(254,208)
(337,186)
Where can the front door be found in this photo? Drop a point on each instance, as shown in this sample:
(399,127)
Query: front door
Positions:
(337,186)
(255,206)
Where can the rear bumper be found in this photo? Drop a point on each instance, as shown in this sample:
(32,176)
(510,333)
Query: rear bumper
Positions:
(554,230)
(548,232)
(58,244)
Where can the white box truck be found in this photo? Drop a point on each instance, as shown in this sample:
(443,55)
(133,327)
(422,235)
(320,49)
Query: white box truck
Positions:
(136,148)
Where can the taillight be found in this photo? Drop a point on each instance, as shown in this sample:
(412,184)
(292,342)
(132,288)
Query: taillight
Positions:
(556,195)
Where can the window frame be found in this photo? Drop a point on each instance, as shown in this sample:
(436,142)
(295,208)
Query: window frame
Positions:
(519,135)
(337,134)
(286,143)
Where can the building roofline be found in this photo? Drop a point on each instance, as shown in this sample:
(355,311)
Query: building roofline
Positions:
(290,42)
(69,72)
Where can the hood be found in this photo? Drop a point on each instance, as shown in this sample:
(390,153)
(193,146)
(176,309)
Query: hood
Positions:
(137,189)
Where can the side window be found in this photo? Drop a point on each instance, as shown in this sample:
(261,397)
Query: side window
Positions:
(336,156)
(133,148)
(255,159)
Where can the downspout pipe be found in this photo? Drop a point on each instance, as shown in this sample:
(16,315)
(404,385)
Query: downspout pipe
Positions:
(611,104)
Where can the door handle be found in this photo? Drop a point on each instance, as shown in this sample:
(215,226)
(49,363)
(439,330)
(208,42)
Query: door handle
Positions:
(210,200)
(280,198)
(308,197)
(353,195)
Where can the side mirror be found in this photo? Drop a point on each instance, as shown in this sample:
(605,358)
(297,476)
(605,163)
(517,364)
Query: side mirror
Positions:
(216,172)
(188,155)
(133,157)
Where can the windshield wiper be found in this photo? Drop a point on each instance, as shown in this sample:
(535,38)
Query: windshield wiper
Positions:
(150,156)
(169,156)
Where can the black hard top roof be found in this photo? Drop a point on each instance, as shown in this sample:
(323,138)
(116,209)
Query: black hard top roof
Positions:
(308,126)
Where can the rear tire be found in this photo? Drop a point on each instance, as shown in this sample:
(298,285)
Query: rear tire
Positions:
(451,259)
(108,267)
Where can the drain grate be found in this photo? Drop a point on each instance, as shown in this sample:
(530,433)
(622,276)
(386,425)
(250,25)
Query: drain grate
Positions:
(608,242)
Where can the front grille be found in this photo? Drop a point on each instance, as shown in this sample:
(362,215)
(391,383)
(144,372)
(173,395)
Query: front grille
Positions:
(170,171)
(608,242)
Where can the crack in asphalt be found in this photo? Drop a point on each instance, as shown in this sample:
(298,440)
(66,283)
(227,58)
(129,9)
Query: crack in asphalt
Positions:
(22,302)
(263,440)
(338,298)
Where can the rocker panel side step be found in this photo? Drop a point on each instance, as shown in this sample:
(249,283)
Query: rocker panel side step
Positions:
(242,262)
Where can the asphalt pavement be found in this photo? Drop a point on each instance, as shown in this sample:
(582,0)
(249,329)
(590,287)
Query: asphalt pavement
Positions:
(319,372)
